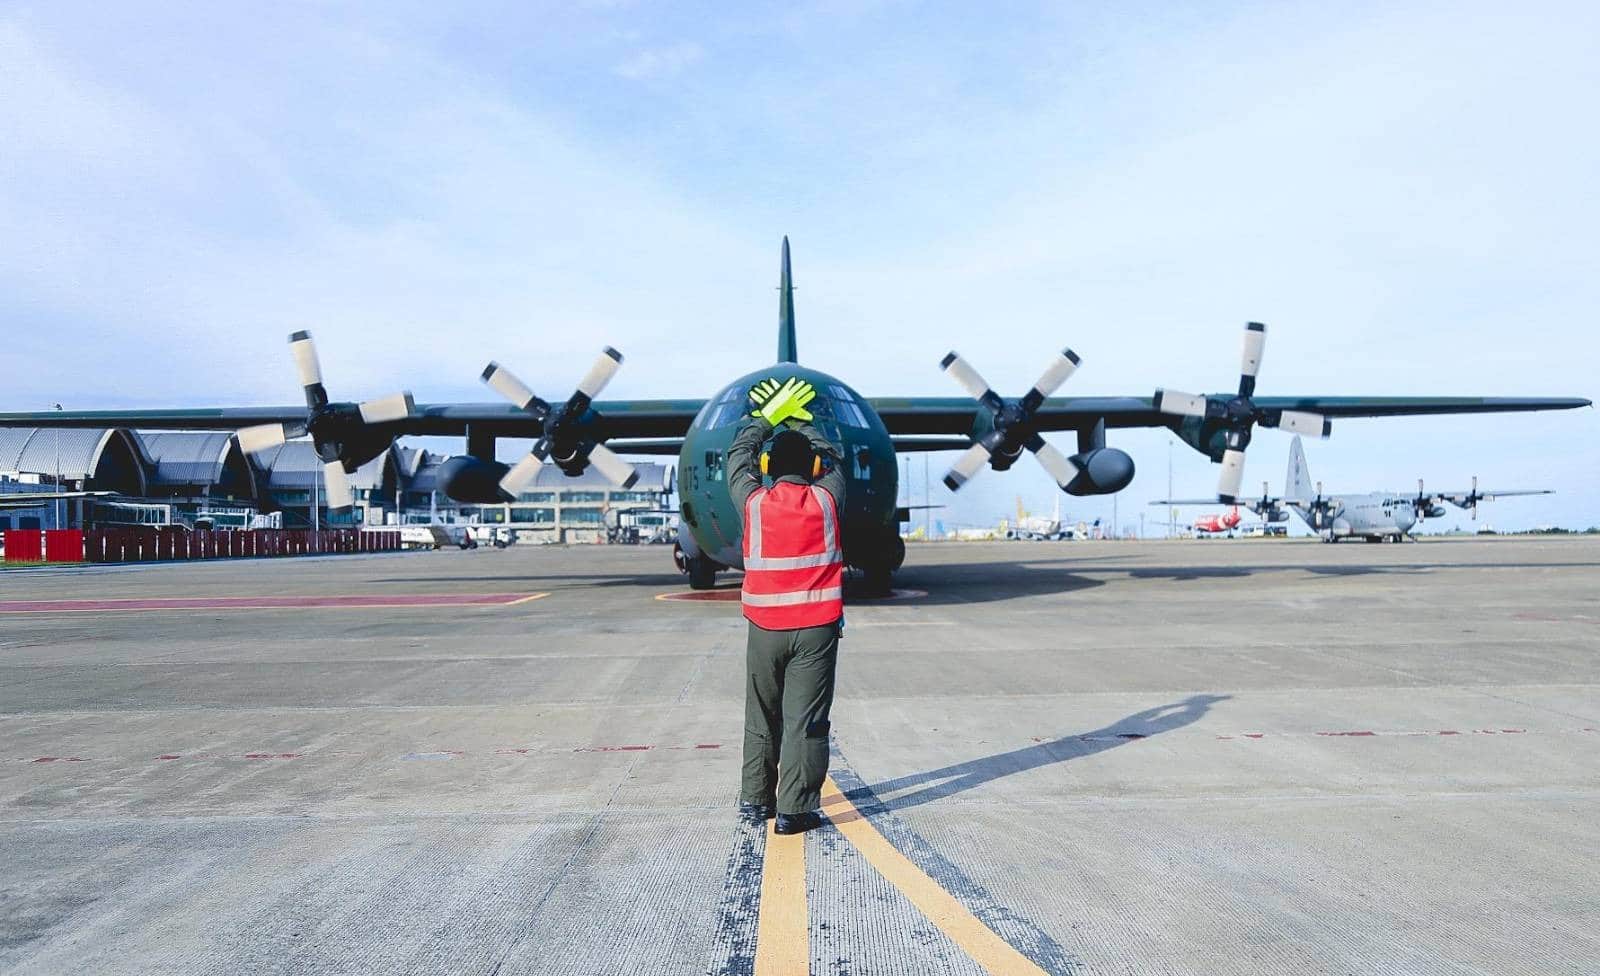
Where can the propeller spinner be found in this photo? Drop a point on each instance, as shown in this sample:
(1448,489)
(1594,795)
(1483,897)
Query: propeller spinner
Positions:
(339,431)
(563,440)
(1238,414)
(1013,423)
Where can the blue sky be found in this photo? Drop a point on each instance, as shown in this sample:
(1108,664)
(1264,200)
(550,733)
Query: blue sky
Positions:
(1404,193)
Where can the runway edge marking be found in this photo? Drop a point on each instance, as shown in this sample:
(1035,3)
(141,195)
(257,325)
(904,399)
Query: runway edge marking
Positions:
(995,937)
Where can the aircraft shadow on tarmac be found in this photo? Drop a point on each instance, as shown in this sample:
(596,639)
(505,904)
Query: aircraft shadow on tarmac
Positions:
(947,781)
(941,585)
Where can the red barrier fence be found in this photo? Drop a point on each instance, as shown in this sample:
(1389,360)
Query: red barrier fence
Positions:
(125,544)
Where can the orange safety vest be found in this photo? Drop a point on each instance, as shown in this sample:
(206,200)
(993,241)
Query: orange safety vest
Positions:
(793,566)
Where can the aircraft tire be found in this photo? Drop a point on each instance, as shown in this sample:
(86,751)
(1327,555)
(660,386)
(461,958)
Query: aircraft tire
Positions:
(876,581)
(702,573)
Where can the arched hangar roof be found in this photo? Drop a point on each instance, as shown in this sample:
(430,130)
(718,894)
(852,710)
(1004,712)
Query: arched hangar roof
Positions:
(76,453)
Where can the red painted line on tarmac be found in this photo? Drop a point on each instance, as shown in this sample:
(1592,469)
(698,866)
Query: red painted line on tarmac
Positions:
(1348,734)
(438,754)
(269,602)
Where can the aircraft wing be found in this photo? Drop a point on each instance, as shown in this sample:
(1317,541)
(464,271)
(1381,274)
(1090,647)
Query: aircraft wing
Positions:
(618,418)
(955,415)
(1460,497)
(905,417)
(1258,506)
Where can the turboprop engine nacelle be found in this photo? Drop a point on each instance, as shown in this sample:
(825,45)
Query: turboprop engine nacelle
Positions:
(473,480)
(1101,471)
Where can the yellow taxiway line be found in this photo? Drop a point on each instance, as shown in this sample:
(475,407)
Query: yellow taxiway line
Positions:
(783,931)
(943,909)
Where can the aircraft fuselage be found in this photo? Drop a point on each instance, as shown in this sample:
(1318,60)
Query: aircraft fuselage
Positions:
(714,528)
(1360,517)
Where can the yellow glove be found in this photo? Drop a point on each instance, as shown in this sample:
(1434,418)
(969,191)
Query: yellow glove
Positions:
(789,402)
(761,393)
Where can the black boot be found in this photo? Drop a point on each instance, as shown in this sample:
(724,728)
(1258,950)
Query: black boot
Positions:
(797,823)
(754,813)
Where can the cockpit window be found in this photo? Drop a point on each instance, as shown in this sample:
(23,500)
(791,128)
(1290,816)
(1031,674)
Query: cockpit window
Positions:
(726,413)
(833,403)
(845,407)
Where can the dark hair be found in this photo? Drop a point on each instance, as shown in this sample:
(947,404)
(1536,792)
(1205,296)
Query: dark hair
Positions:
(790,454)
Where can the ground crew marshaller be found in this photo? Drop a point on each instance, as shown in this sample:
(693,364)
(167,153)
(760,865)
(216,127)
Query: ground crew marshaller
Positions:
(793,599)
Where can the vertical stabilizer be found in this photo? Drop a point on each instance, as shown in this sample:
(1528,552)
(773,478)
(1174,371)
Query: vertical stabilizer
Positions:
(786,347)
(1297,485)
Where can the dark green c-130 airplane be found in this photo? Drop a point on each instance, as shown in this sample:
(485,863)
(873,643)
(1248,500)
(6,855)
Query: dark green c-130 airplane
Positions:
(989,429)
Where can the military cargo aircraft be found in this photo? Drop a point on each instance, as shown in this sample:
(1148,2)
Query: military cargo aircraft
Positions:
(992,431)
(1374,516)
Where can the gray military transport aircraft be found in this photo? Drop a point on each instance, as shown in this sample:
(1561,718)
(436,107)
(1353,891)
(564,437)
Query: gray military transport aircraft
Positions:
(1375,516)
(991,430)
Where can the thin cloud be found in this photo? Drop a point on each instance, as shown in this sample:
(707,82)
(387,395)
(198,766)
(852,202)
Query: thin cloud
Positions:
(664,62)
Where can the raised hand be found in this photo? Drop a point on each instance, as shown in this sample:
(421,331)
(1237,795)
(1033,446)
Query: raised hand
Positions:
(789,402)
(761,393)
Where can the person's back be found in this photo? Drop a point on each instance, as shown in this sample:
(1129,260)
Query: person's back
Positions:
(793,599)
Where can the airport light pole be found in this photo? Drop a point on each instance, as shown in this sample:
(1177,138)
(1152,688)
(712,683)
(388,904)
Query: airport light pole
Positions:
(59,502)
(316,514)
(1172,511)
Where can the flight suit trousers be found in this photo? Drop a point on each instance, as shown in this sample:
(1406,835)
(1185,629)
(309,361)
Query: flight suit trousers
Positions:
(788,693)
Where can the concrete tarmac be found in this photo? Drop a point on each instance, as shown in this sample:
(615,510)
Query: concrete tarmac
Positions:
(1200,757)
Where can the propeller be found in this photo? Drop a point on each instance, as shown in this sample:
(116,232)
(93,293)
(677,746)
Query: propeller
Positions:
(1323,509)
(1424,504)
(1470,502)
(1237,415)
(1268,507)
(563,441)
(1013,427)
(341,433)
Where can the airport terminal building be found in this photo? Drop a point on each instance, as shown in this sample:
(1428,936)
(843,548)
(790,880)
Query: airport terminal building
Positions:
(200,477)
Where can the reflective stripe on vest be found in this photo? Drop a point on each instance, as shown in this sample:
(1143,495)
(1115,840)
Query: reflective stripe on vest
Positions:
(793,599)
(803,587)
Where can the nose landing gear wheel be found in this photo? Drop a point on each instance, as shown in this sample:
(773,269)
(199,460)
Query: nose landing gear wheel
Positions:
(702,572)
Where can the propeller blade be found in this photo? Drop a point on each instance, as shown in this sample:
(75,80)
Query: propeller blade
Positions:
(1255,342)
(385,409)
(1056,463)
(507,385)
(1177,404)
(600,373)
(1232,476)
(306,365)
(521,475)
(1057,373)
(254,440)
(962,372)
(336,486)
(1310,424)
(967,466)
(616,470)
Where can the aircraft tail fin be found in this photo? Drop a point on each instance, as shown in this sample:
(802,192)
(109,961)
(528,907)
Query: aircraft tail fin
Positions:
(1297,485)
(786,345)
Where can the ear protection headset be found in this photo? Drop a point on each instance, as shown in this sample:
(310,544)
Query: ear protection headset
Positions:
(816,464)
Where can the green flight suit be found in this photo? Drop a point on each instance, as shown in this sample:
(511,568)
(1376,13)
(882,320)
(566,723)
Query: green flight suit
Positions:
(789,673)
